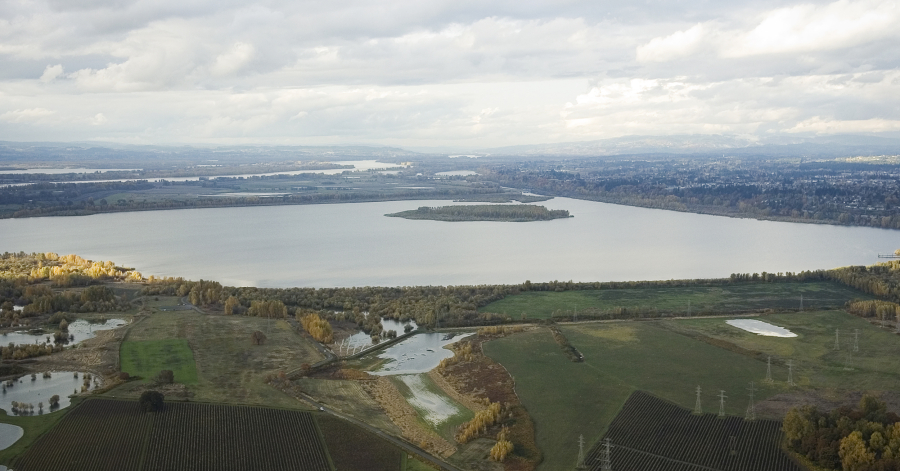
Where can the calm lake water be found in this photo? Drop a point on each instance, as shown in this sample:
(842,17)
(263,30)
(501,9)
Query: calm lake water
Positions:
(81,329)
(60,383)
(355,245)
(419,353)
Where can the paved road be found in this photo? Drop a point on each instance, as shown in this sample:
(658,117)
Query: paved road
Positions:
(410,448)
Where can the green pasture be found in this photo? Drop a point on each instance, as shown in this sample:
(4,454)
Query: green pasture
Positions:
(816,362)
(677,300)
(147,358)
(670,358)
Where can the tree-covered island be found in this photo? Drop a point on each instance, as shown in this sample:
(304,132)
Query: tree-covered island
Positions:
(484,212)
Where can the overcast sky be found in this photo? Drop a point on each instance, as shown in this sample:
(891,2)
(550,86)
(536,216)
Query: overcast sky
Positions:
(443,73)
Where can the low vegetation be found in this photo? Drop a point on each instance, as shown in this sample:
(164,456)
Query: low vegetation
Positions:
(484,212)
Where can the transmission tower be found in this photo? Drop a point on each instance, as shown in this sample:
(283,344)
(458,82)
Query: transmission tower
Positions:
(722,397)
(791,373)
(769,370)
(697,408)
(605,459)
(837,343)
(581,452)
(751,409)
(855,340)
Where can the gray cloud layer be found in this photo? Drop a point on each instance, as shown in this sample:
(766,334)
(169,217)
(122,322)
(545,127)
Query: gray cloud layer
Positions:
(443,73)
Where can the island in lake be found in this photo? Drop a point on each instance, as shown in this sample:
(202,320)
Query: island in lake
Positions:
(484,212)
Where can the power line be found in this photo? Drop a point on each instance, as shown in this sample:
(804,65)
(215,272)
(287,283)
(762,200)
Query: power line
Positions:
(605,456)
(722,397)
(581,452)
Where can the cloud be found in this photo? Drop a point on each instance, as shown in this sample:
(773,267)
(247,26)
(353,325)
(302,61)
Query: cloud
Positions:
(674,46)
(234,60)
(26,115)
(51,72)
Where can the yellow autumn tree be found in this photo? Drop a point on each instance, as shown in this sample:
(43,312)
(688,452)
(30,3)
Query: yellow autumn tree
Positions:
(319,328)
(503,447)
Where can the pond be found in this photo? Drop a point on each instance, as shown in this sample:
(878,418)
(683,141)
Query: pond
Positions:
(9,434)
(361,340)
(419,353)
(26,390)
(434,408)
(760,328)
(81,329)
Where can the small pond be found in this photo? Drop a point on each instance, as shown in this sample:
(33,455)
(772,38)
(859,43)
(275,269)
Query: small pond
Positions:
(361,340)
(433,408)
(81,329)
(419,353)
(9,434)
(24,389)
(760,328)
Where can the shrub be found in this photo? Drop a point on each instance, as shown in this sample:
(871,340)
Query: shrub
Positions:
(151,401)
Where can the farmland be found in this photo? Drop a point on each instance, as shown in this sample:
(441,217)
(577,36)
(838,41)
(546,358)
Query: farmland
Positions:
(677,300)
(105,434)
(567,399)
(650,433)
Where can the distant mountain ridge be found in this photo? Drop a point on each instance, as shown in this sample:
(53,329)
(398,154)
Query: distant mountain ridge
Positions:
(780,146)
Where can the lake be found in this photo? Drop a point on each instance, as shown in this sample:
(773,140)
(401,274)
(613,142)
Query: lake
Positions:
(419,353)
(353,244)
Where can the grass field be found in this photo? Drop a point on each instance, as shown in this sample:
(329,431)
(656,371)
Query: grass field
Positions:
(146,359)
(567,399)
(229,368)
(816,363)
(702,299)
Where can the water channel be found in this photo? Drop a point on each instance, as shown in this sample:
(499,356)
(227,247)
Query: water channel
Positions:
(353,244)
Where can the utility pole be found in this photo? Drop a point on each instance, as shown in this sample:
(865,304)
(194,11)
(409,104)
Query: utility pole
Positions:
(769,369)
(697,408)
(751,409)
(580,452)
(605,457)
(722,397)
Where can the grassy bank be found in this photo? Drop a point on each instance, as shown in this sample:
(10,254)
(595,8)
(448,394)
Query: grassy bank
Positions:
(678,300)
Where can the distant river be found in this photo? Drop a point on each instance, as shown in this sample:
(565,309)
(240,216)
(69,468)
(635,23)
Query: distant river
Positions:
(355,245)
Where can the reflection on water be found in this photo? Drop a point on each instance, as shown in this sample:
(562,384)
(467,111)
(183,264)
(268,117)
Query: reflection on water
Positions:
(40,389)
(355,245)
(419,353)
(361,340)
(9,434)
(760,328)
(80,329)
(433,408)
